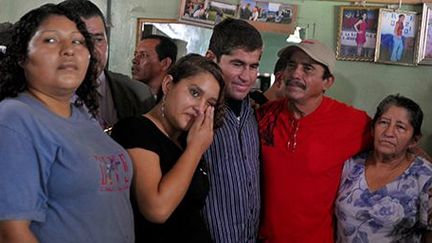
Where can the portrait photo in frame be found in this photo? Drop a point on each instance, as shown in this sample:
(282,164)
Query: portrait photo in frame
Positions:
(206,13)
(396,37)
(356,38)
(424,55)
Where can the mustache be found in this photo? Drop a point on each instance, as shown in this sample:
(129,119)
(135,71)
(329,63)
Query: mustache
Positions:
(295,83)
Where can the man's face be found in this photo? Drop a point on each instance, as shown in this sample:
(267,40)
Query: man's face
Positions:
(146,64)
(304,78)
(96,28)
(240,69)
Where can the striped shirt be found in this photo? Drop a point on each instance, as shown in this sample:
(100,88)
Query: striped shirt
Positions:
(232,207)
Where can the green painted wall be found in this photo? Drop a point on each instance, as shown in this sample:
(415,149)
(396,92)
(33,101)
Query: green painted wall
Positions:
(12,10)
(360,84)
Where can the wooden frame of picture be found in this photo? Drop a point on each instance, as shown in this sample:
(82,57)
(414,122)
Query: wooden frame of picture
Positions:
(269,16)
(396,43)
(189,38)
(142,21)
(356,36)
(424,55)
(205,13)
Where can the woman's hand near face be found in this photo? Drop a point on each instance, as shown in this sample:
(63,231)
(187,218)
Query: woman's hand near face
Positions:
(158,195)
(201,133)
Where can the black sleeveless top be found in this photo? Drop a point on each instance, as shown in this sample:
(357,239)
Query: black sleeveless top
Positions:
(186,223)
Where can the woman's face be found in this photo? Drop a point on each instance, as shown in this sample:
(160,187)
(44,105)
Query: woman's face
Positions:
(57,58)
(188,98)
(393,132)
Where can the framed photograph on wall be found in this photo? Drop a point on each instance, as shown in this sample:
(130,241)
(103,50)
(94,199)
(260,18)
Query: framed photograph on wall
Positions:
(424,55)
(206,12)
(356,37)
(396,37)
(269,16)
(270,12)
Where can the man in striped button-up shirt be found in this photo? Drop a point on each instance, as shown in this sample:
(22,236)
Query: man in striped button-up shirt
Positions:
(233,205)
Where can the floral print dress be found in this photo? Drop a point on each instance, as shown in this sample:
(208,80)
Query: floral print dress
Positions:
(398,212)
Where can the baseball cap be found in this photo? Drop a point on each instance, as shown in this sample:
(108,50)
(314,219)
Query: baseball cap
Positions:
(316,50)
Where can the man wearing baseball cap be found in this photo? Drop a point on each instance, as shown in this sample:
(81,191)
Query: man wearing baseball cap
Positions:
(305,140)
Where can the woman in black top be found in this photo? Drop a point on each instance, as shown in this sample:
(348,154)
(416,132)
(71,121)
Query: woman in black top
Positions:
(166,145)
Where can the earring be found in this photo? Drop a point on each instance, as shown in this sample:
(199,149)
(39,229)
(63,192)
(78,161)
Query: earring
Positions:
(163,106)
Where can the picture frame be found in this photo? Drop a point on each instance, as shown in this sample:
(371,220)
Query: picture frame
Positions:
(396,43)
(424,54)
(140,27)
(269,16)
(357,30)
(206,13)
(189,38)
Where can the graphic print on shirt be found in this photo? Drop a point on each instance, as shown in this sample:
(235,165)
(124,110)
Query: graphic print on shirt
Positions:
(114,172)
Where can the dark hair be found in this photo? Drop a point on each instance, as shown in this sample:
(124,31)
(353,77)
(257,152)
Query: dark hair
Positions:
(192,65)
(5,32)
(280,65)
(360,17)
(413,109)
(231,34)
(13,80)
(85,9)
(327,74)
(165,48)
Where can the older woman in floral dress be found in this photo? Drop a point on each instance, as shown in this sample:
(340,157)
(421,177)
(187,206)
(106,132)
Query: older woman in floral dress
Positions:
(385,194)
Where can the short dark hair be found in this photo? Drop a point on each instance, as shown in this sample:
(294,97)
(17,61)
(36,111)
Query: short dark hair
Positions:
(195,64)
(413,109)
(327,74)
(280,65)
(13,80)
(231,34)
(85,9)
(165,48)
